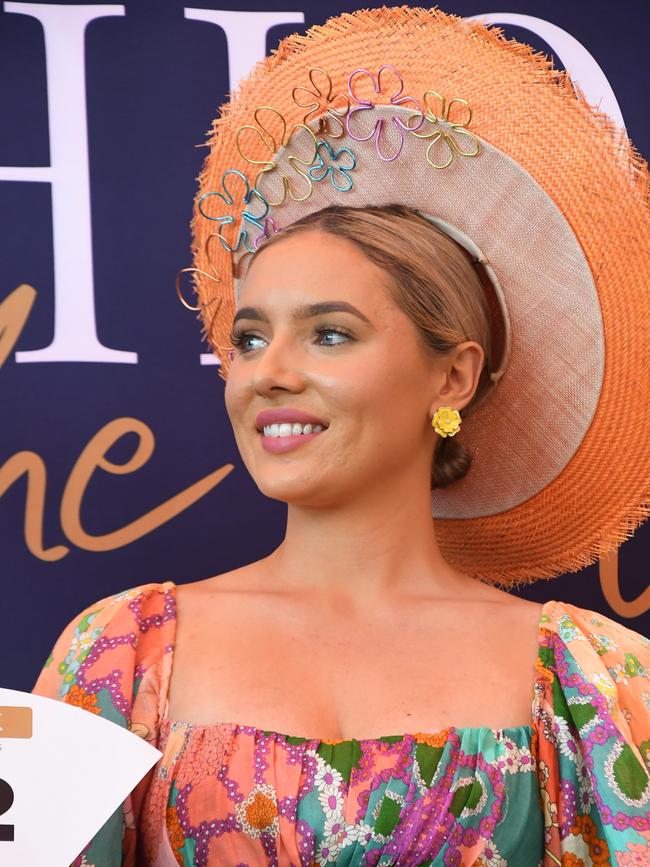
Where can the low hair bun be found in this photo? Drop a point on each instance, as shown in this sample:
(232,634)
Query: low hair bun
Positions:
(451,461)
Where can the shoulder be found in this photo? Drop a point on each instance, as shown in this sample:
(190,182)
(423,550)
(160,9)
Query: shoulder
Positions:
(108,660)
(601,647)
(592,737)
(596,660)
(107,646)
(608,638)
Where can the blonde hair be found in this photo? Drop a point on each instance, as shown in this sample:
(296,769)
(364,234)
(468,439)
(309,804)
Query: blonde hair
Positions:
(432,280)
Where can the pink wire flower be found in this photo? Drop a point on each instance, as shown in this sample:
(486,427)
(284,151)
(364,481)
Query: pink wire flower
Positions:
(395,99)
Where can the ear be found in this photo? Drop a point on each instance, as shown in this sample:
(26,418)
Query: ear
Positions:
(462,370)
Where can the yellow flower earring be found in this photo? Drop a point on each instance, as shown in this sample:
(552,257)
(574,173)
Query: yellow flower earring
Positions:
(446,421)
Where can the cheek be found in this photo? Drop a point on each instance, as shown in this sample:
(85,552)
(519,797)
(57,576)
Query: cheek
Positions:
(380,387)
(362,407)
(237,403)
(234,398)
(396,400)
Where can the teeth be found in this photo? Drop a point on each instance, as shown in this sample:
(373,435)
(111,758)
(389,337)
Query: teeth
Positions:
(288,429)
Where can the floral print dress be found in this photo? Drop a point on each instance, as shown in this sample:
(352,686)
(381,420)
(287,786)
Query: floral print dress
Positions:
(571,788)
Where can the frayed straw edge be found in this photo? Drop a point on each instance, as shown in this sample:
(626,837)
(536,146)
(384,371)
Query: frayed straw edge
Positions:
(609,540)
(368,20)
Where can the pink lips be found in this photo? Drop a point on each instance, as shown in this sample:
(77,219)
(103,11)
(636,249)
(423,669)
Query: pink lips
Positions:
(280,416)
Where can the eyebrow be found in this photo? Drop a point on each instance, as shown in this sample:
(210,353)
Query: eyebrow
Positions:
(306,311)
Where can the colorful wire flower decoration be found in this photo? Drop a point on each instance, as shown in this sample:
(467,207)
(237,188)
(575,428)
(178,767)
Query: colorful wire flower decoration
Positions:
(446,135)
(270,227)
(322,105)
(320,171)
(271,143)
(395,99)
(243,221)
(179,291)
(218,298)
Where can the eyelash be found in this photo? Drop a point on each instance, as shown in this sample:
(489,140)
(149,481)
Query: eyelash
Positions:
(237,338)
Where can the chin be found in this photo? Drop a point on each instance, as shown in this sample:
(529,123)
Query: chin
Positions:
(296,493)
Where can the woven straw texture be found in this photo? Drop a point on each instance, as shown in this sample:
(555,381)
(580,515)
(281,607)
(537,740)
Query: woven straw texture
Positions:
(591,171)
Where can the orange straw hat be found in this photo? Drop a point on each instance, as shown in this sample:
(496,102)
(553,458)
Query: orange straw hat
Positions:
(502,151)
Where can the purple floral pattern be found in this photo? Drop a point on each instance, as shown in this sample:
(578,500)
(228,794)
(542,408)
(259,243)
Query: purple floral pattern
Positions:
(572,788)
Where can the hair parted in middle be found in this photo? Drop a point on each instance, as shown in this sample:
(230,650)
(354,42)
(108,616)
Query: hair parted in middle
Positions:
(432,279)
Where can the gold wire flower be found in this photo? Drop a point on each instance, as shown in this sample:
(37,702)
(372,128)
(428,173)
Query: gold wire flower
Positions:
(446,421)
(271,143)
(323,105)
(450,129)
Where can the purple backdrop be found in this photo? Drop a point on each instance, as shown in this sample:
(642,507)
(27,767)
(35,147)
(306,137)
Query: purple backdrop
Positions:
(104,110)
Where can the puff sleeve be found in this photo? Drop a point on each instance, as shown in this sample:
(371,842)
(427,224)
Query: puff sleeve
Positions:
(593,739)
(107,661)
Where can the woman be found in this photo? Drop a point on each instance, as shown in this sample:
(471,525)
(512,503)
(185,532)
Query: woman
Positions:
(357,697)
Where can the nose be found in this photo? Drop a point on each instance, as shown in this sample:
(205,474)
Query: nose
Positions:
(278,366)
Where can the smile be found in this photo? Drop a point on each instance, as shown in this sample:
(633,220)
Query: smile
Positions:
(288,429)
(284,437)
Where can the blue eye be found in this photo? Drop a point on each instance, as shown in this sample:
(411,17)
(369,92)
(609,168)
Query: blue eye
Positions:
(239,338)
(340,332)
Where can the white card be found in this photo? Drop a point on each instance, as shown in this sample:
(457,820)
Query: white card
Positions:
(63,780)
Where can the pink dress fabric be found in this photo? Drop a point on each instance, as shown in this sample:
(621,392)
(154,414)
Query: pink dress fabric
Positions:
(571,788)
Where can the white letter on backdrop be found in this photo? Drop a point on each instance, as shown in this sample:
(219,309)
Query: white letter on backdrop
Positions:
(578,62)
(75,332)
(246,37)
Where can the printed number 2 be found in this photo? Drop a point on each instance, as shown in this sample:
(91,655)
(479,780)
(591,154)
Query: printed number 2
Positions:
(6,800)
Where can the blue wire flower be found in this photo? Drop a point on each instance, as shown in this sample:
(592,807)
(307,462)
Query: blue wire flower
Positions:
(247,218)
(320,171)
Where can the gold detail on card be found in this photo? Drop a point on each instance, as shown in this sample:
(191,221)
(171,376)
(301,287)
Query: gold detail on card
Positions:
(15,722)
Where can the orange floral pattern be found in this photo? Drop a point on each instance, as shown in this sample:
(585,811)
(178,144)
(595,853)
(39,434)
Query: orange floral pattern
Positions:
(572,788)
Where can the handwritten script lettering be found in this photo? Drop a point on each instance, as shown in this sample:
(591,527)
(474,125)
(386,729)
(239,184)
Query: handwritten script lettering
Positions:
(93,457)
(14,311)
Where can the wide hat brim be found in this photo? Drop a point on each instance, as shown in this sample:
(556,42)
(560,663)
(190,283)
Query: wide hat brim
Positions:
(556,201)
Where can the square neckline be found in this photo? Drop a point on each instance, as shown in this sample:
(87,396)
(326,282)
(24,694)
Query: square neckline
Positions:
(165,723)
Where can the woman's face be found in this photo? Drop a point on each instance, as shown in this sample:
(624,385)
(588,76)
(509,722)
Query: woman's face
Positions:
(363,371)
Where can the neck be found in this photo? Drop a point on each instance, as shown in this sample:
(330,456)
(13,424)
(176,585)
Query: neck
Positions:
(371,548)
